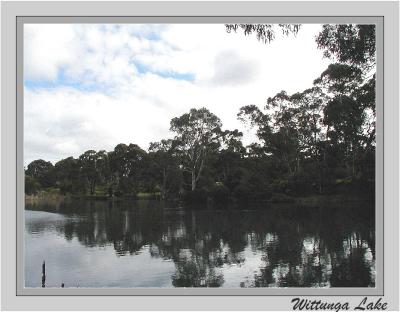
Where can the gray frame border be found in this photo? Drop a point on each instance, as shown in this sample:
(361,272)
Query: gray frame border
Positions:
(377,290)
(195,9)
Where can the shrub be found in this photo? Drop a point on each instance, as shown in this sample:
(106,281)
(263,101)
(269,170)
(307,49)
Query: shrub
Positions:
(280,185)
(31,186)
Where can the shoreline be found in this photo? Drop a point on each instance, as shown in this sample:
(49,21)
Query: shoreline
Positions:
(299,201)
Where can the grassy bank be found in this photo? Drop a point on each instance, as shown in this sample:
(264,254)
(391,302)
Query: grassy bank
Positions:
(323,200)
(44,196)
(275,200)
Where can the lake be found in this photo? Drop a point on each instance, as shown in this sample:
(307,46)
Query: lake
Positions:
(147,243)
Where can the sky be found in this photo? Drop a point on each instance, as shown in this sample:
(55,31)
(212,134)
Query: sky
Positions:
(93,86)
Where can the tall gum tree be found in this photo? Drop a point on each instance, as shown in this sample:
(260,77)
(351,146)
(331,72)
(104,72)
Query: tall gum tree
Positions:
(164,163)
(197,133)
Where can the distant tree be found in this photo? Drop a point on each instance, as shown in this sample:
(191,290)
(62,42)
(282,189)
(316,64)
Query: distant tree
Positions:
(252,115)
(92,164)
(312,131)
(164,165)
(42,172)
(228,163)
(197,133)
(126,165)
(278,129)
(232,141)
(344,114)
(69,176)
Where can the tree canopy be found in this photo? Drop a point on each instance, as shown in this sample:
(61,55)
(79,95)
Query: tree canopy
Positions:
(353,44)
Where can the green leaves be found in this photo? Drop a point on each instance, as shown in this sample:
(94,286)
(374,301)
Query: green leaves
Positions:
(197,133)
(348,43)
(340,78)
(42,172)
(264,32)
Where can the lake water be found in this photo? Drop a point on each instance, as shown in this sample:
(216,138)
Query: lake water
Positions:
(153,244)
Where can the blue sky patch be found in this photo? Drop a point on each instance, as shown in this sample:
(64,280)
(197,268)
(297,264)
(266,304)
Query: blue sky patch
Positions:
(143,69)
(61,81)
(177,76)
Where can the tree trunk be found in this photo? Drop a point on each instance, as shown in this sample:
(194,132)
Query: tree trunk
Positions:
(353,163)
(193,180)
(164,185)
(92,187)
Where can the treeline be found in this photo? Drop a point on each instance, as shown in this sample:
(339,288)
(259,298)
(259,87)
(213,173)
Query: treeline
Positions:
(317,141)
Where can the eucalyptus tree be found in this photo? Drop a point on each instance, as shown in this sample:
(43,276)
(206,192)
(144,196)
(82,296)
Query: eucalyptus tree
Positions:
(126,166)
(229,161)
(92,165)
(164,166)
(354,44)
(264,32)
(344,114)
(69,176)
(197,134)
(310,104)
(42,171)
(366,96)
(277,129)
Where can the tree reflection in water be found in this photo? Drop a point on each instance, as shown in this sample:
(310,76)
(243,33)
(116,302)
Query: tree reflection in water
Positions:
(300,247)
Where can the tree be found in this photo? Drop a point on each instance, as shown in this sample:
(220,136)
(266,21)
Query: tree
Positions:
(253,116)
(126,165)
(277,129)
(311,129)
(340,79)
(88,166)
(92,165)
(264,32)
(197,133)
(42,172)
(164,165)
(343,113)
(69,176)
(228,164)
(349,43)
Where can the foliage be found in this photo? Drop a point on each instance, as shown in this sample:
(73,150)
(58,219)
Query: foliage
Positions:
(353,44)
(264,32)
(41,171)
(348,43)
(32,187)
(197,135)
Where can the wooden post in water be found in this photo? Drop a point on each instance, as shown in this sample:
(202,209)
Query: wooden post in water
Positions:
(44,274)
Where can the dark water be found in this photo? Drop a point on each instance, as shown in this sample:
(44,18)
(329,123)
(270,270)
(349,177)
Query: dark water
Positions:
(153,244)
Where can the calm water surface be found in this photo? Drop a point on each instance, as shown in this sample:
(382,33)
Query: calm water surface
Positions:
(153,244)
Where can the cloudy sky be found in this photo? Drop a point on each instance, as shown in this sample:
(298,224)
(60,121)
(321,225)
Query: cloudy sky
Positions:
(94,86)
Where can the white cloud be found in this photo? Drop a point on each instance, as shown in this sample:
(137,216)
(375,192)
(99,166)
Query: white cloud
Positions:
(105,96)
(230,68)
(46,49)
